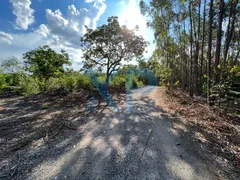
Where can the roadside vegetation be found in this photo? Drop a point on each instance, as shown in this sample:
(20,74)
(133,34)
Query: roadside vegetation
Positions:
(46,71)
(198,48)
(197,59)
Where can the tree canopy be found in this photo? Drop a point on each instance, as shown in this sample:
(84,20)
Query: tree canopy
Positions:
(197,43)
(44,62)
(12,65)
(109,45)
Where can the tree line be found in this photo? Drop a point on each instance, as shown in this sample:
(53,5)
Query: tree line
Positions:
(104,51)
(197,46)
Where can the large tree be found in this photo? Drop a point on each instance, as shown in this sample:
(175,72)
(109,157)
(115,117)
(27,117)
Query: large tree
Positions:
(44,62)
(109,45)
(12,65)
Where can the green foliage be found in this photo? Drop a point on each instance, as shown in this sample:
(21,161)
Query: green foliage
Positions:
(110,44)
(132,78)
(45,106)
(12,65)
(118,83)
(83,82)
(70,83)
(45,63)
(54,84)
(62,85)
(12,79)
(136,83)
(3,83)
(102,78)
(29,85)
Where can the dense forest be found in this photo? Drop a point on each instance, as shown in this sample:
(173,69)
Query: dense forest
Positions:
(198,46)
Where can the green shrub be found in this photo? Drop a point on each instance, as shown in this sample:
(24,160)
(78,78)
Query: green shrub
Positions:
(29,85)
(102,78)
(133,82)
(63,85)
(12,79)
(3,83)
(45,106)
(54,84)
(137,83)
(84,82)
(118,83)
(69,83)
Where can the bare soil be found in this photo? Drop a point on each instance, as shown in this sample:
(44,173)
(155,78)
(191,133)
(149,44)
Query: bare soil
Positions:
(166,135)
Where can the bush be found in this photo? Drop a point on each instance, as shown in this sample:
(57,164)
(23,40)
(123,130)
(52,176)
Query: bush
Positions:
(3,83)
(62,85)
(84,82)
(102,78)
(137,83)
(12,79)
(53,85)
(133,82)
(118,84)
(29,85)
(69,83)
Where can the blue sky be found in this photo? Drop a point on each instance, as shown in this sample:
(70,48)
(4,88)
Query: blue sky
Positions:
(27,24)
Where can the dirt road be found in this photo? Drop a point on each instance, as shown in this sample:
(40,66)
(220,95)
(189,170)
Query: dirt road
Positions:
(137,141)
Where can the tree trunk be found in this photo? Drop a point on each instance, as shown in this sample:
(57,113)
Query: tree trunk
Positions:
(236,58)
(230,29)
(107,79)
(209,51)
(196,73)
(186,61)
(218,45)
(203,45)
(191,41)
(108,71)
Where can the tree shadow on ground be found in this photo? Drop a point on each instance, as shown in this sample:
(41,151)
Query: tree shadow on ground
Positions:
(145,143)
(29,126)
(120,145)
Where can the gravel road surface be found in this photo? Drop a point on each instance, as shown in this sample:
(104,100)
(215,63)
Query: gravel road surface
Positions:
(137,140)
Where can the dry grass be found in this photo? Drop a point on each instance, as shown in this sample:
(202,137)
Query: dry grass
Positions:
(219,129)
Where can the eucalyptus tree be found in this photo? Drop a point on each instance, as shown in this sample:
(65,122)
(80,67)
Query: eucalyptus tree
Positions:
(198,41)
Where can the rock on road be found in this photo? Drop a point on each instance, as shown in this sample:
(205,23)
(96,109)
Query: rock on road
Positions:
(140,141)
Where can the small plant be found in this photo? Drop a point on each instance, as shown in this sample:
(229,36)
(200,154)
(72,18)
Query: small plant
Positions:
(45,106)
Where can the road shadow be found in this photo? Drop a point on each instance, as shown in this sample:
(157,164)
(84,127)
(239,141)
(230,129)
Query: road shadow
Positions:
(30,126)
(146,143)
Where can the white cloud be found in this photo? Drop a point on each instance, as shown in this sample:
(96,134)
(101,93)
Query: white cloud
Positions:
(34,39)
(5,37)
(60,32)
(68,29)
(23,12)
(43,30)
